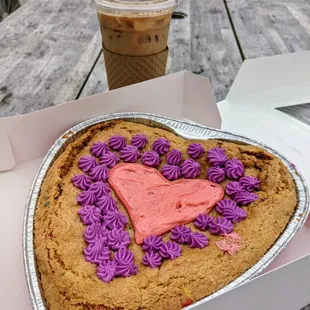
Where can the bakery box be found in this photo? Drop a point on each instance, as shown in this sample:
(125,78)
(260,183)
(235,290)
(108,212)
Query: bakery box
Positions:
(285,285)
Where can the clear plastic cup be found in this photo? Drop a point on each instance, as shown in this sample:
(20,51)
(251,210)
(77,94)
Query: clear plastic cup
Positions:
(134,27)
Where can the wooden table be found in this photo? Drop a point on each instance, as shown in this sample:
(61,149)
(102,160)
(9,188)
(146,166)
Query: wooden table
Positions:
(50,50)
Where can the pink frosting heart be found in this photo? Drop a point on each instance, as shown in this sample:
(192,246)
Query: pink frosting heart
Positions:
(156,205)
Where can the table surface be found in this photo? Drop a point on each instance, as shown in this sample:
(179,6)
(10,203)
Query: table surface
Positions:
(50,50)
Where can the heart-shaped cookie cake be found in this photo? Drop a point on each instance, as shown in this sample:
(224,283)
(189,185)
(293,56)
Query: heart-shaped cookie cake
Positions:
(134,217)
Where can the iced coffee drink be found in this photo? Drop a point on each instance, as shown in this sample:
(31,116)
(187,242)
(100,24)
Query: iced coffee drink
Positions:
(134,38)
(135,35)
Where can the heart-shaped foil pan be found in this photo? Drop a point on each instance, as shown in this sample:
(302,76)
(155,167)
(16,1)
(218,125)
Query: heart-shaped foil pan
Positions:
(186,130)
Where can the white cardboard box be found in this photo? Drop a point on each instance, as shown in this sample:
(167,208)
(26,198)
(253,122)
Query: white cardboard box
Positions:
(180,95)
(249,109)
(25,140)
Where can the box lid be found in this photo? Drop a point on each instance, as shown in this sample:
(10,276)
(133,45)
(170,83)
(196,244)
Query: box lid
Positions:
(182,95)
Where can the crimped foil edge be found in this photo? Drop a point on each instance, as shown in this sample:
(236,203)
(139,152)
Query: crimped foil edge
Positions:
(185,129)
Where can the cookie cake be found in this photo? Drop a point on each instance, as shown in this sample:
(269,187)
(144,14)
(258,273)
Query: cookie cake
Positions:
(135,217)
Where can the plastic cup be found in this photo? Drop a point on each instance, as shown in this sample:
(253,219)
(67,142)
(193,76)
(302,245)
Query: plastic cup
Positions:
(134,29)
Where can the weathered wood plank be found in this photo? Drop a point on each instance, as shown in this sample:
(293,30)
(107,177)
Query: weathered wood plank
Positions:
(97,82)
(179,40)
(47,49)
(298,111)
(267,27)
(202,42)
(214,52)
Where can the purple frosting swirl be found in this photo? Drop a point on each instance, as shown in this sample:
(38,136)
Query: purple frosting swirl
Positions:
(180,234)
(233,188)
(152,243)
(224,204)
(118,238)
(109,159)
(216,174)
(244,198)
(174,157)
(100,189)
(190,168)
(221,225)
(235,214)
(86,198)
(106,204)
(130,154)
(124,269)
(234,168)
(125,266)
(203,221)
(171,172)
(139,141)
(170,250)
(106,271)
(116,142)
(97,252)
(99,148)
(99,173)
(195,150)
(123,255)
(86,163)
(89,214)
(81,181)
(161,146)
(94,232)
(217,156)
(249,183)
(115,219)
(152,259)
(151,159)
(197,240)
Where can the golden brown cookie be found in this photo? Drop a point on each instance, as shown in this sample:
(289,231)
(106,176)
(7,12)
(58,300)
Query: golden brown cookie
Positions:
(68,281)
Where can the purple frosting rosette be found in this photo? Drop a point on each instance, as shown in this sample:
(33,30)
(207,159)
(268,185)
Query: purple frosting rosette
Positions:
(151,159)
(170,250)
(197,240)
(109,159)
(216,174)
(195,150)
(190,169)
(217,156)
(99,148)
(152,259)
(90,214)
(117,142)
(203,221)
(234,168)
(171,172)
(130,154)
(152,243)
(139,141)
(86,163)
(99,173)
(249,183)
(106,271)
(81,181)
(180,234)
(174,157)
(161,146)
(94,232)
(221,225)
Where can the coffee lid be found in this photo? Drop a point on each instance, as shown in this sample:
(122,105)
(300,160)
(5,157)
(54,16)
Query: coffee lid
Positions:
(117,7)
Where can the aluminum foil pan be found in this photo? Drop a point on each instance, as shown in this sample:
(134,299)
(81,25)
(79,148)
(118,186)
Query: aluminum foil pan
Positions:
(185,130)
